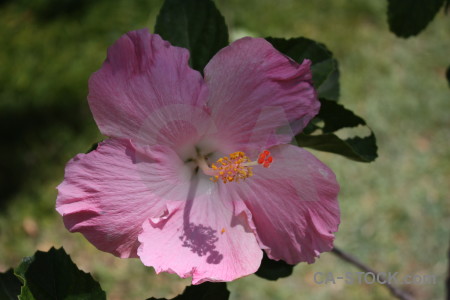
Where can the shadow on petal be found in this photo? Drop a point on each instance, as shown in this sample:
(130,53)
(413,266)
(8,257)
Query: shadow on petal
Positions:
(200,239)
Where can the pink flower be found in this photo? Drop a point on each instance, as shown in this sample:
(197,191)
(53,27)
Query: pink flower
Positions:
(158,189)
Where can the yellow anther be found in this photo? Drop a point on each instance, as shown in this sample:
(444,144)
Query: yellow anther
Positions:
(235,167)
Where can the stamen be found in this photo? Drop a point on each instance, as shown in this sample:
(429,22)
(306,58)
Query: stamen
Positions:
(237,166)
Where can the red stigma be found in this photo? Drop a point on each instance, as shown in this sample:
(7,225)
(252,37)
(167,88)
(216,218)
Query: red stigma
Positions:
(265,159)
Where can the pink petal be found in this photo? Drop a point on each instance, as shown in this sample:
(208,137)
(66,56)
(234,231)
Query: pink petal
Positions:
(141,75)
(294,205)
(202,238)
(108,193)
(254,89)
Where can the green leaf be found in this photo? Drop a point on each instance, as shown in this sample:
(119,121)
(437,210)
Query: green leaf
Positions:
(204,291)
(193,24)
(53,275)
(23,267)
(409,17)
(20,271)
(9,285)
(93,147)
(339,130)
(324,67)
(329,89)
(272,269)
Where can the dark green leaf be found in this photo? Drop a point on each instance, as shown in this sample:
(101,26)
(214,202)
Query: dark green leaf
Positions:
(9,285)
(409,17)
(272,269)
(358,149)
(324,67)
(53,275)
(93,147)
(204,291)
(448,75)
(193,24)
(339,130)
(329,89)
(20,271)
(23,267)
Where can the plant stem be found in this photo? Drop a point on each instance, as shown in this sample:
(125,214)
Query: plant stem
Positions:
(396,292)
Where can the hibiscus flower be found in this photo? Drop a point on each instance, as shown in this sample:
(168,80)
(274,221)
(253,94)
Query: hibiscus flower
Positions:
(198,177)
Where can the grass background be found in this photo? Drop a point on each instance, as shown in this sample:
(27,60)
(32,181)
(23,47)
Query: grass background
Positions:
(395,212)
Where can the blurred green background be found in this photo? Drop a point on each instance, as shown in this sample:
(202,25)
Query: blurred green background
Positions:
(395,212)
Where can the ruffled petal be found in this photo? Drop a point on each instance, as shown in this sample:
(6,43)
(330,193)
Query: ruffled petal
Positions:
(201,238)
(141,75)
(293,203)
(108,193)
(254,89)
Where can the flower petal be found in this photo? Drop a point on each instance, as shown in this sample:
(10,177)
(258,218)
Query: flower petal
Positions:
(202,238)
(108,193)
(294,205)
(254,89)
(141,74)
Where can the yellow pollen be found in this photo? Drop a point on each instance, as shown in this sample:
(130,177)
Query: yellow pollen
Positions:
(236,167)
